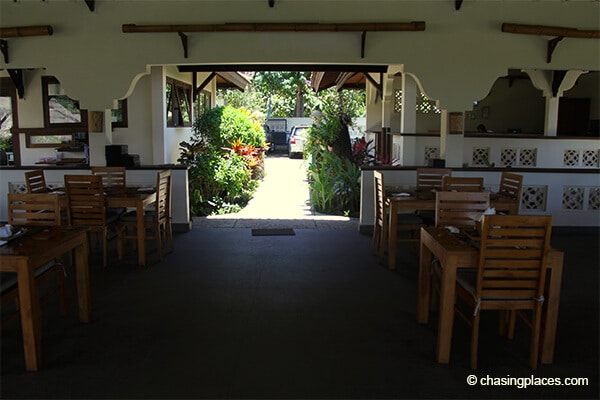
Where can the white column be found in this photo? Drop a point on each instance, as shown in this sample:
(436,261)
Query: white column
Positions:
(159,117)
(551,122)
(542,80)
(408,122)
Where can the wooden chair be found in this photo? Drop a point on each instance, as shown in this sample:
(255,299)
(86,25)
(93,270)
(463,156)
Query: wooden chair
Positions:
(460,209)
(157,221)
(114,179)
(34,210)
(510,275)
(409,224)
(35,181)
(510,185)
(431,178)
(461,184)
(87,207)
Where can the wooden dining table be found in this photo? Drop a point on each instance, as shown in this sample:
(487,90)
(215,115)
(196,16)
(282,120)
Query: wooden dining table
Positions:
(31,251)
(399,200)
(132,197)
(454,252)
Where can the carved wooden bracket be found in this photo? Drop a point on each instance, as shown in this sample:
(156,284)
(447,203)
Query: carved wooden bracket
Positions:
(184,42)
(16,75)
(551,46)
(4,49)
(91,4)
(363,39)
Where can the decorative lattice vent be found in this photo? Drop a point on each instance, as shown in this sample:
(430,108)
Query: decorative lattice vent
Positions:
(534,198)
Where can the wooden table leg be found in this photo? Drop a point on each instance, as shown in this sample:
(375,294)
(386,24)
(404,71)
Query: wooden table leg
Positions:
(424,286)
(392,235)
(141,234)
(82,274)
(31,323)
(446,317)
(552,302)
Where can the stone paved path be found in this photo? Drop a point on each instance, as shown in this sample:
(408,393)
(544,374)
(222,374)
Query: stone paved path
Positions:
(281,201)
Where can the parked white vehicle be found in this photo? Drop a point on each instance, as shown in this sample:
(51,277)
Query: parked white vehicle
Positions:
(296,140)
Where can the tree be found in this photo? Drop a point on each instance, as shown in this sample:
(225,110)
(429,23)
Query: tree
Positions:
(286,91)
(288,94)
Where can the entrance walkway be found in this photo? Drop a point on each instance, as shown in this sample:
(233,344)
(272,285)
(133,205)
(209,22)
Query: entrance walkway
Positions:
(281,201)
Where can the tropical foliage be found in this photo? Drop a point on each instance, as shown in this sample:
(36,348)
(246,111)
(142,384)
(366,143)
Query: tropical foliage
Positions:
(288,94)
(225,157)
(334,178)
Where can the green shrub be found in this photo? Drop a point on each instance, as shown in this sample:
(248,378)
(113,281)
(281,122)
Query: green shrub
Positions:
(334,180)
(223,156)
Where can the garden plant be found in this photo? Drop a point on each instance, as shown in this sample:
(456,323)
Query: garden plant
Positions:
(225,156)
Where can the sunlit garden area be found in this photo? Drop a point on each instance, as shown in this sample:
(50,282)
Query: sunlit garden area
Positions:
(226,153)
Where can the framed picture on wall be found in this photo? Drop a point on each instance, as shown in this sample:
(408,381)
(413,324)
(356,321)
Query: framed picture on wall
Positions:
(485,112)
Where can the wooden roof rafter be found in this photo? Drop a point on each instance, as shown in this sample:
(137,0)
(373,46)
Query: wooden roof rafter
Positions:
(559,32)
(413,26)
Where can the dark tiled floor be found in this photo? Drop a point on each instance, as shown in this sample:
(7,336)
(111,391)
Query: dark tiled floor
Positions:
(229,315)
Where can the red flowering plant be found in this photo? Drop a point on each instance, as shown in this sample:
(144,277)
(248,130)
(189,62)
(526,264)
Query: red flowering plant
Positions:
(362,151)
(254,156)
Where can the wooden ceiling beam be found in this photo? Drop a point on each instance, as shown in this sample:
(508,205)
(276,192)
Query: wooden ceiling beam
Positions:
(550,31)
(413,26)
(559,32)
(278,27)
(282,67)
(22,31)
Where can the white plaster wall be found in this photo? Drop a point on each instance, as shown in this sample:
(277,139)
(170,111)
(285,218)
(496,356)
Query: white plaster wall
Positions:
(457,58)
(588,86)
(511,105)
(138,133)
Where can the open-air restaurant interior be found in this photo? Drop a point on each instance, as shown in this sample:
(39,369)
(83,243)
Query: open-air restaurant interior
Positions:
(473,268)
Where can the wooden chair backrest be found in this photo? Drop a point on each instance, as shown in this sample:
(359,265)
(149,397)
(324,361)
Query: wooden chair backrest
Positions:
(379,198)
(431,178)
(510,185)
(113,178)
(35,181)
(87,205)
(460,209)
(512,257)
(33,209)
(163,195)
(461,184)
